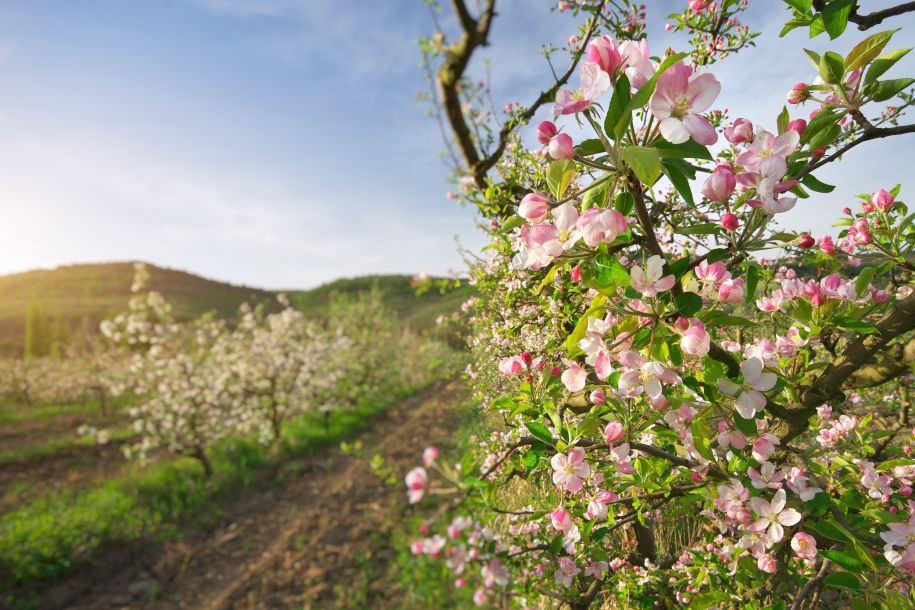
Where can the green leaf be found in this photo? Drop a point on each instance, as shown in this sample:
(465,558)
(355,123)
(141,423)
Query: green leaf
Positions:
(867,50)
(616,122)
(644,162)
(559,175)
(815,185)
(832,67)
(884,63)
(702,438)
(688,303)
(802,6)
(680,182)
(747,426)
(843,580)
(687,150)
(539,431)
(828,530)
(864,279)
(814,58)
(549,277)
(595,197)
(835,17)
(624,203)
(571,342)
(853,325)
(530,459)
(886,89)
(822,120)
(589,147)
(703,228)
(848,562)
(752,282)
(609,271)
(511,222)
(783,119)
(826,137)
(817,26)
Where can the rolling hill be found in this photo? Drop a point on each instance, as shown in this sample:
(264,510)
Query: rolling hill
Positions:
(78,297)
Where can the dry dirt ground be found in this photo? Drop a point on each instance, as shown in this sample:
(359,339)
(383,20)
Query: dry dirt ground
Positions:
(318,540)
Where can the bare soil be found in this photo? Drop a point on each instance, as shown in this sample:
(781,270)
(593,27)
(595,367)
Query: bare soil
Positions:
(319,539)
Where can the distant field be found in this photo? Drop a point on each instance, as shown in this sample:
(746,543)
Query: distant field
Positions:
(81,296)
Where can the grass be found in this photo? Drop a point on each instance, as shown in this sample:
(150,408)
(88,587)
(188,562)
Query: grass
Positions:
(13,412)
(52,446)
(43,540)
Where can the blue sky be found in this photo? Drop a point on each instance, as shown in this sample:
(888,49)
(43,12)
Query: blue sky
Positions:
(278,143)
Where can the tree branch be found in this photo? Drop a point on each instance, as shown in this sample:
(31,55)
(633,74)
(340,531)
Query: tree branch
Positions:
(865,22)
(874,133)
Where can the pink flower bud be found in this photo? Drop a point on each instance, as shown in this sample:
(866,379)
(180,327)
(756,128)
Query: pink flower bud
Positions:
(846,211)
(576,274)
(798,125)
(739,132)
(562,147)
(798,93)
(604,53)
(730,221)
(719,185)
(526,357)
(819,152)
(534,207)
(881,200)
(805,241)
(767,564)
(827,246)
(698,5)
(546,131)
(598,397)
(430,454)
(561,520)
(614,431)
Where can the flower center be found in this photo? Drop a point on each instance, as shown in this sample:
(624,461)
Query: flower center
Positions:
(681,107)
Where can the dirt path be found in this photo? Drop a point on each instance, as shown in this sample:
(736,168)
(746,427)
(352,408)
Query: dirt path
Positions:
(317,541)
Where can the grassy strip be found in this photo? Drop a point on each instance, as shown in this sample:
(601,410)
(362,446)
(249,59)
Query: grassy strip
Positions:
(43,540)
(50,447)
(12,412)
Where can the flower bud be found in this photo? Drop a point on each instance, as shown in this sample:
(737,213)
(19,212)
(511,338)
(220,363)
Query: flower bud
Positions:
(827,246)
(576,274)
(798,93)
(614,431)
(719,185)
(604,53)
(740,131)
(562,147)
(598,397)
(546,131)
(534,207)
(805,241)
(732,291)
(798,125)
(730,222)
(881,200)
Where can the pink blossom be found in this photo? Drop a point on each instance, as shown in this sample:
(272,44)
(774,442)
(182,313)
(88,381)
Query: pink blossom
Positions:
(732,291)
(534,207)
(804,545)
(714,273)
(566,571)
(600,226)
(645,376)
(511,366)
(767,564)
(678,99)
(416,481)
(430,454)
(649,281)
(562,147)
(594,83)
(767,477)
(570,469)
(695,341)
(773,515)
(636,62)
(479,597)
(750,399)
(766,145)
(598,397)
(574,378)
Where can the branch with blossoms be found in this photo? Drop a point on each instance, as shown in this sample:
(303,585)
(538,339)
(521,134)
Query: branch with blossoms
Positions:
(671,415)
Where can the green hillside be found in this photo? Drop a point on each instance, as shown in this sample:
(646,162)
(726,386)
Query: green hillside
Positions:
(80,296)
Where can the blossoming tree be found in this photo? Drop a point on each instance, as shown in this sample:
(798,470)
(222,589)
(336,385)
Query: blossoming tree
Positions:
(687,406)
